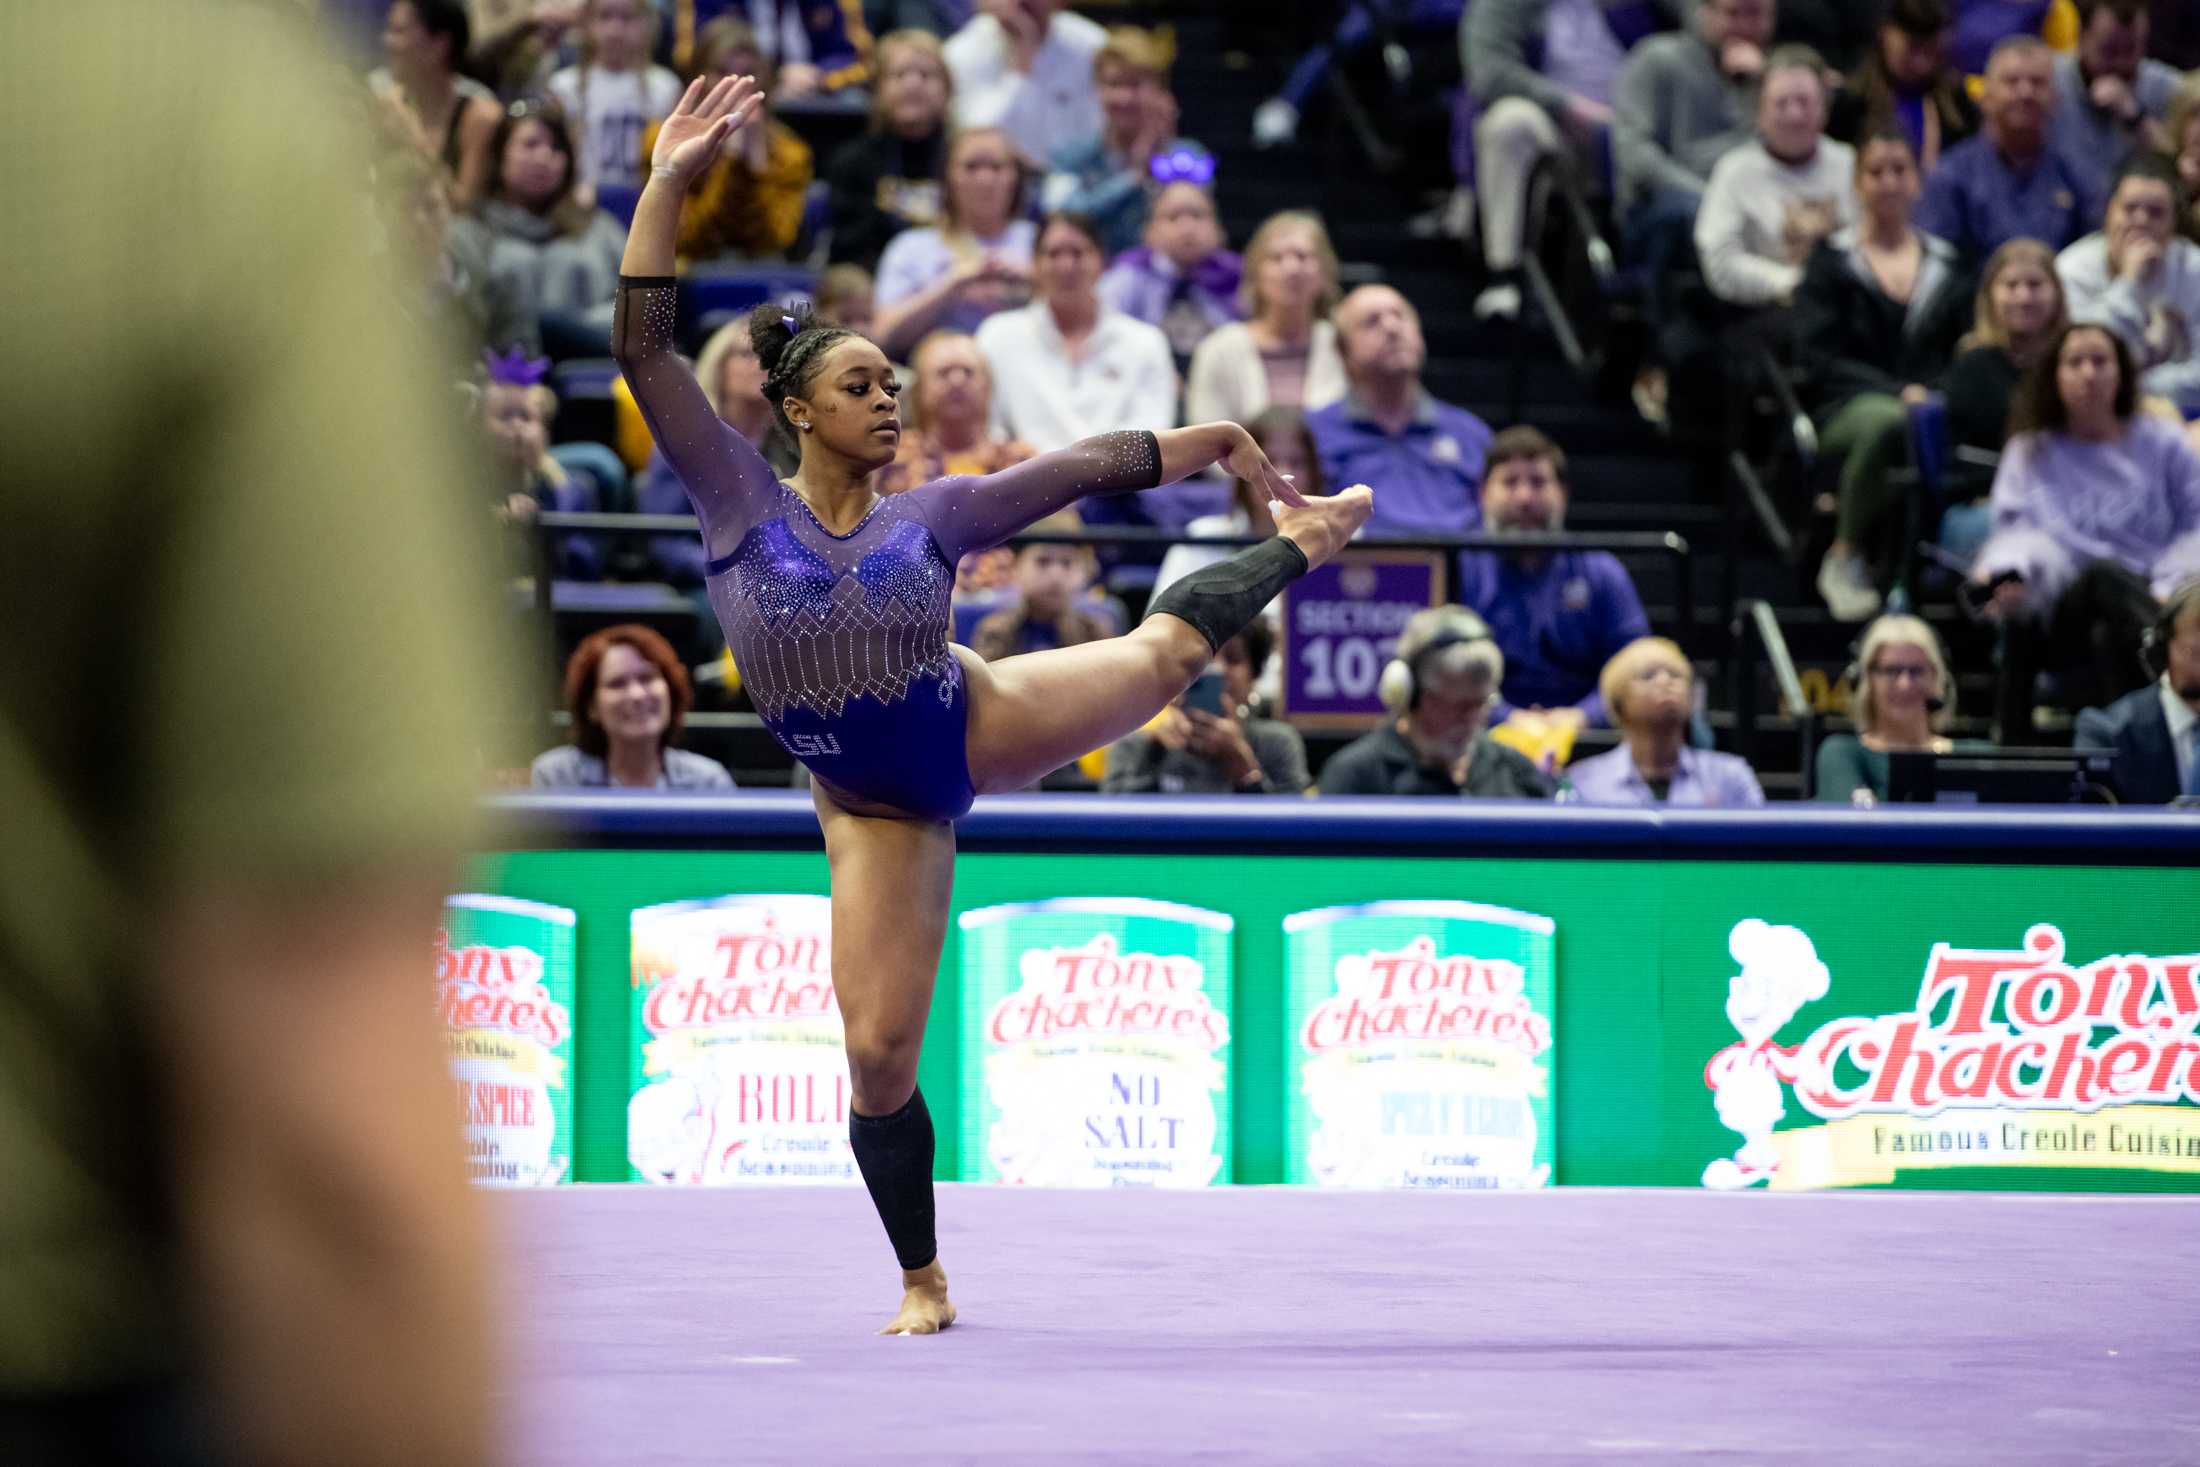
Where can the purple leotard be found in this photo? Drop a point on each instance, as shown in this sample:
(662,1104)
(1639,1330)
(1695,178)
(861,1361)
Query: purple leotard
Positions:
(842,639)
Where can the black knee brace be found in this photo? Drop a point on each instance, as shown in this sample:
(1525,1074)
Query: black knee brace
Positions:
(1220,599)
(894,1153)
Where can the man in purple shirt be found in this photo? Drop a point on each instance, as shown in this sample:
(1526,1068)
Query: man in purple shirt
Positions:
(2009,182)
(1423,457)
(1558,616)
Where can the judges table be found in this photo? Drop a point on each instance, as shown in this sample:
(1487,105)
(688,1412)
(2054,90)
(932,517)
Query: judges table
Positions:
(1185,991)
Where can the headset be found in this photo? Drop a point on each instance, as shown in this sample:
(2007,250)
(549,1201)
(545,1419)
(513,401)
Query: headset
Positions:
(1426,634)
(2154,644)
(1854,672)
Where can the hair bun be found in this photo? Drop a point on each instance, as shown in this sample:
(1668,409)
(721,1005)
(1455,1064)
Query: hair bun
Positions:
(773,328)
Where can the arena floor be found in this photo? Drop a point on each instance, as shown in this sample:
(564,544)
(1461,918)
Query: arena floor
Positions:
(1288,1325)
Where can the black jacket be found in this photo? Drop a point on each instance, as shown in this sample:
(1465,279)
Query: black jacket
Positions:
(2134,727)
(869,179)
(1381,762)
(1865,105)
(1851,337)
(1981,388)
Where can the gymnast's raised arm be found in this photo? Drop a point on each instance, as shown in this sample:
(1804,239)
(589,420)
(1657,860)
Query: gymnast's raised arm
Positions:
(973,513)
(727,480)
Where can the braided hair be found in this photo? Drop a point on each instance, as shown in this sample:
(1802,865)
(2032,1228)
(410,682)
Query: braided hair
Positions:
(791,344)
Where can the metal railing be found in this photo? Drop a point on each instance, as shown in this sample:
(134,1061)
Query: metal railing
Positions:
(1624,542)
(1757,640)
(1554,193)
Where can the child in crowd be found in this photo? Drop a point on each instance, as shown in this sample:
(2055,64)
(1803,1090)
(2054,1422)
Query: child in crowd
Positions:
(749,204)
(844,298)
(614,94)
(515,414)
(1049,580)
(1183,278)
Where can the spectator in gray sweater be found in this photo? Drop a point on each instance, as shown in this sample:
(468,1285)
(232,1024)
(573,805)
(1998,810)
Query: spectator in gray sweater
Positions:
(550,246)
(1772,199)
(1682,100)
(2110,98)
(1543,74)
(1680,103)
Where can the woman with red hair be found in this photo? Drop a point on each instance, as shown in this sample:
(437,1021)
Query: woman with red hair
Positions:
(628,696)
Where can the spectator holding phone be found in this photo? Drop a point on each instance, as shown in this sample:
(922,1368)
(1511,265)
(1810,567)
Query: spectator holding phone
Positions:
(1208,742)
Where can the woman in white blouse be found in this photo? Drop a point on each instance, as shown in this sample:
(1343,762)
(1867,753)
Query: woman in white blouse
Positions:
(1286,353)
(1066,366)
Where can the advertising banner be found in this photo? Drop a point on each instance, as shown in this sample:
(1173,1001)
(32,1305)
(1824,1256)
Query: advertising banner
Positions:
(504,988)
(2029,1056)
(1747,1023)
(1096,1039)
(1422,1040)
(743,1077)
(1340,622)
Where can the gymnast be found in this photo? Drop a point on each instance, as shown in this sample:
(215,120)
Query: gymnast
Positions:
(834,600)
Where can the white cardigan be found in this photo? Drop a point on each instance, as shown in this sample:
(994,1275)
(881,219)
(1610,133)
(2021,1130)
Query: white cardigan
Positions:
(1229,385)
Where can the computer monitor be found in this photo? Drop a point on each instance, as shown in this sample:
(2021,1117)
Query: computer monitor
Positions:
(2001,777)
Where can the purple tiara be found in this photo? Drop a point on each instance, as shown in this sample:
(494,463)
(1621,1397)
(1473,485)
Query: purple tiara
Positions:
(515,368)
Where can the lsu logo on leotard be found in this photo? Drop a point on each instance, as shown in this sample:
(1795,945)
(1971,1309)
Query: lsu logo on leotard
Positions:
(809,746)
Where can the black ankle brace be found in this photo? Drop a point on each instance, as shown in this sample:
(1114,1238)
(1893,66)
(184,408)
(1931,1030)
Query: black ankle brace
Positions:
(894,1153)
(1220,599)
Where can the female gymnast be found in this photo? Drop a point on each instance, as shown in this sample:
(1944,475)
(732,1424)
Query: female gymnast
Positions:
(834,600)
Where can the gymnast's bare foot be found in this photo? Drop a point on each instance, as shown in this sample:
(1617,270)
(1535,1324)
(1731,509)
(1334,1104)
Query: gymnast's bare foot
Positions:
(1320,527)
(924,1306)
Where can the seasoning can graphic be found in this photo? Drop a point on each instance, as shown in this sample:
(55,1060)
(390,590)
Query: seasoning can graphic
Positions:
(744,1079)
(1421,1054)
(1096,1038)
(504,990)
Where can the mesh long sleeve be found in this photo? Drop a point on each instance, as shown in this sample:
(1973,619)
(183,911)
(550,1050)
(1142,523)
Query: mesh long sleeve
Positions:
(727,480)
(970,513)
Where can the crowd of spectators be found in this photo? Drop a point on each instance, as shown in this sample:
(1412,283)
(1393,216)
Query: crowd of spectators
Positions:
(1967,233)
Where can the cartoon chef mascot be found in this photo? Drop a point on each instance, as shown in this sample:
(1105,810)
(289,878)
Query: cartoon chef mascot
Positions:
(1780,972)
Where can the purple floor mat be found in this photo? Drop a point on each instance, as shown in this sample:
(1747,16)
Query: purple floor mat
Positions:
(1288,1325)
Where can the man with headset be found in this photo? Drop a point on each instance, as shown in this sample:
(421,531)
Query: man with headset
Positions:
(1438,689)
(2155,731)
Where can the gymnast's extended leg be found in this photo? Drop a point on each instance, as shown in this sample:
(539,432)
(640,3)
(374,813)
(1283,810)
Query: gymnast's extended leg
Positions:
(891,883)
(1032,714)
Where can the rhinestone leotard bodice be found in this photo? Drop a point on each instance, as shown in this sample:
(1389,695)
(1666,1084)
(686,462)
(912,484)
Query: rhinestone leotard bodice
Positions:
(825,627)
